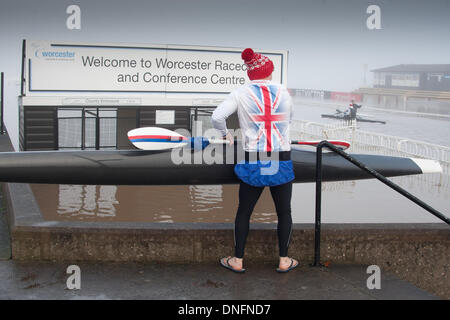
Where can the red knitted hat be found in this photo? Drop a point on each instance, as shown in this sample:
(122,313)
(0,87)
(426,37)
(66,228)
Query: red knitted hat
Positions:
(258,66)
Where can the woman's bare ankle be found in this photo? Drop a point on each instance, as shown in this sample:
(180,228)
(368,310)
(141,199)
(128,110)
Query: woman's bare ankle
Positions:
(286,261)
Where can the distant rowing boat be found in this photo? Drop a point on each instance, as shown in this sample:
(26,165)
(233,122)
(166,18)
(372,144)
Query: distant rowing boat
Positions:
(347,116)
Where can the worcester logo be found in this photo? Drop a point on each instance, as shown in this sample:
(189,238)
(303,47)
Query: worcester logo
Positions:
(54,54)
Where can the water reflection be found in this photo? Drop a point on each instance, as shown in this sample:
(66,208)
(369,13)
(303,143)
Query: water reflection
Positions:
(343,202)
(194,203)
(87,200)
(206,198)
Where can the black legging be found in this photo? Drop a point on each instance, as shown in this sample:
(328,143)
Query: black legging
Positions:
(248,196)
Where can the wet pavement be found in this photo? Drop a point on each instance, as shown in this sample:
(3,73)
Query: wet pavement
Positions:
(47,280)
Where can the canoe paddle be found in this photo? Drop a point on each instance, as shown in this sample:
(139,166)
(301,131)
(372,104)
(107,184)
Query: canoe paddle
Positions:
(155,138)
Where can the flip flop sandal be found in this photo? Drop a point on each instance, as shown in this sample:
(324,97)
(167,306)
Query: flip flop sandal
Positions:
(229,267)
(292,266)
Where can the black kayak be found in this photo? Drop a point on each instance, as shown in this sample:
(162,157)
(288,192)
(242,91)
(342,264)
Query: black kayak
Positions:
(137,167)
(342,116)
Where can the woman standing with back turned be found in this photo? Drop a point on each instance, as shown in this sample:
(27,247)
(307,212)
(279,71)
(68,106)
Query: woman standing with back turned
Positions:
(265,110)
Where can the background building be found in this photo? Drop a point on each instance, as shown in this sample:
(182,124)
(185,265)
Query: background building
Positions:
(410,87)
(433,77)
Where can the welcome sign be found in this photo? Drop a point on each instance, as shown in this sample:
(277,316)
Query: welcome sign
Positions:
(95,67)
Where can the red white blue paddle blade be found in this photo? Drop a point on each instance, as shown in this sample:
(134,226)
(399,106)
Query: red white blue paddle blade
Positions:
(154,138)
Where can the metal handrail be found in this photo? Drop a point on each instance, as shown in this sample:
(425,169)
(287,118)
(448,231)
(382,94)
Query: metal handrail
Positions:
(317,226)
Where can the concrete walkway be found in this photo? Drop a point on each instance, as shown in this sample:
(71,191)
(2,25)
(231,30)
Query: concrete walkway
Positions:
(47,280)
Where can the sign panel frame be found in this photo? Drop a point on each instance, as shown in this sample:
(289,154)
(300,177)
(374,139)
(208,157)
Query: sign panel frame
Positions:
(55,68)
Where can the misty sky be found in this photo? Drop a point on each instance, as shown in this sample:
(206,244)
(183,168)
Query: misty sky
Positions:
(328,41)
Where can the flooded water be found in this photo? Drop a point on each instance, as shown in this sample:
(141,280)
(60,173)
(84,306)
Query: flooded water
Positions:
(364,201)
(212,203)
(436,131)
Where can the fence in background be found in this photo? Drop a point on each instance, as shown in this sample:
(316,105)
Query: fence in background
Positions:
(372,143)
(376,143)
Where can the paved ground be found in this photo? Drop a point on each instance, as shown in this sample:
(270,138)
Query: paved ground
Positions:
(47,280)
